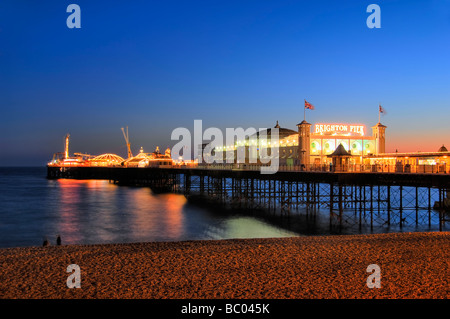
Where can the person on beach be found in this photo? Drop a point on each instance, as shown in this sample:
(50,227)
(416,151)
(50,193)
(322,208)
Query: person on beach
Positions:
(46,243)
(58,240)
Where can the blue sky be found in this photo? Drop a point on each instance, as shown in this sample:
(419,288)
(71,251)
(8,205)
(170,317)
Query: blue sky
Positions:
(157,65)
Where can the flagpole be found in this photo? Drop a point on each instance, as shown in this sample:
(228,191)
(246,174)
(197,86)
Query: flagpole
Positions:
(379,113)
(304,112)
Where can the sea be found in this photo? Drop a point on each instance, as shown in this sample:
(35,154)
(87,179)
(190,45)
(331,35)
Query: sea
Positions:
(34,208)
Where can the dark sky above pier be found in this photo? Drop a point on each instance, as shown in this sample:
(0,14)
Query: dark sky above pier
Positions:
(157,65)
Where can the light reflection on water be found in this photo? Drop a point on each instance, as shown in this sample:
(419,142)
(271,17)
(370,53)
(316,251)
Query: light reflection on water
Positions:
(95,211)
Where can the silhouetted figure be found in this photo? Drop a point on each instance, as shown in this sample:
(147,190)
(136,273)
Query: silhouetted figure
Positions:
(46,243)
(58,240)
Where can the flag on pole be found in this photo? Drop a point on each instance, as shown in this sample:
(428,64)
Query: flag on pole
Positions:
(308,105)
(380,110)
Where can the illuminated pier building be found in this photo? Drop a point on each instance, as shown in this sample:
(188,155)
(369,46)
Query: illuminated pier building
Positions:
(306,147)
(335,146)
(321,147)
(106,160)
(153,159)
(318,145)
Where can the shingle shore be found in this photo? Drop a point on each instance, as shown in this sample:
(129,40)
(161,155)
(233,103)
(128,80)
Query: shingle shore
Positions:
(413,265)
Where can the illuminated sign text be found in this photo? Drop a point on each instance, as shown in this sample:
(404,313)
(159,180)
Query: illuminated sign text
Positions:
(339,128)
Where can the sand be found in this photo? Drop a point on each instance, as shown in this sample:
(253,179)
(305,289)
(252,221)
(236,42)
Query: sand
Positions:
(413,265)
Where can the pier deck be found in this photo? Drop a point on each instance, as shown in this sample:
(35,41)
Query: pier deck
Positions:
(363,178)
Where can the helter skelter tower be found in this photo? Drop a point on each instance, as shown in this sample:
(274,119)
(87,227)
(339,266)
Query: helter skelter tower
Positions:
(66,146)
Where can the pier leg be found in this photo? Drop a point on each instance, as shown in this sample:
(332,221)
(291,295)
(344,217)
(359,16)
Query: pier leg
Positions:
(331,203)
(389,204)
(379,201)
(364,201)
(308,200)
(401,206)
(441,204)
(429,206)
(417,205)
(340,206)
(371,207)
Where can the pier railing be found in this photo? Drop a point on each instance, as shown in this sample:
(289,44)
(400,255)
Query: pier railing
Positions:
(352,168)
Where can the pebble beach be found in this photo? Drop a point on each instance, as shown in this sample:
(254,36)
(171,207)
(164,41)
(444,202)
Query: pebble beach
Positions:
(413,265)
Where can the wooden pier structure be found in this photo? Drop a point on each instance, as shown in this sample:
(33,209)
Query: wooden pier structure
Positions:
(352,199)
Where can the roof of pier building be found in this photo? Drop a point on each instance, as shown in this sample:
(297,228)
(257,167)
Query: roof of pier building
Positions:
(340,151)
(106,159)
(142,156)
(282,132)
(112,158)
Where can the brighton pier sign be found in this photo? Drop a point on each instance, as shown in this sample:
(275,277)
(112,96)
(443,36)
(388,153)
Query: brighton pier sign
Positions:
(339,129)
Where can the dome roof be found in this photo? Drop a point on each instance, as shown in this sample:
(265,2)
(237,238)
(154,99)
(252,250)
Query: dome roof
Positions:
(108,158)
(282,132)
(443,149)
(303,123)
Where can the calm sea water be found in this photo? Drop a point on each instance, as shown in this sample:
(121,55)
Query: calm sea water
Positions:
(94,211)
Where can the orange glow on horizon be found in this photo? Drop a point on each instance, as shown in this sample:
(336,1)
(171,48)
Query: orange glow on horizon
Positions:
(419,142)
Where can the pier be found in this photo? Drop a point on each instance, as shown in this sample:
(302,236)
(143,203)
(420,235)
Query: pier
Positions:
(351,199)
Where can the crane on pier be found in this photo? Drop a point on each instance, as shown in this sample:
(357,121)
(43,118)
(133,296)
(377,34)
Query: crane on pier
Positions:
(130,155)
